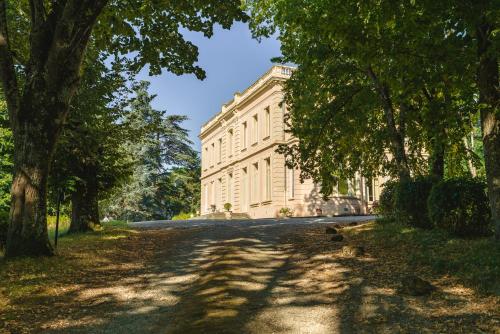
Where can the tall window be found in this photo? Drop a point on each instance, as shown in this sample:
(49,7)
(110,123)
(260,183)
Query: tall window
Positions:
(212,154)
(268,178)
(255,128)
(244,190)
(230,143)
(206,197)
(206,158)
(245,135)
(219,194)
(255,183)
(369,189)
(212,195)
(267,123)
(290,182)
(219,155)
(229,196)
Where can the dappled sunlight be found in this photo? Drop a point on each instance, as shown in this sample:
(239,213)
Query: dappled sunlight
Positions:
(274,279)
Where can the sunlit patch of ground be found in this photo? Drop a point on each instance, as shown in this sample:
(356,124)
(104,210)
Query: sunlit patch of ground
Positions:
(234,279)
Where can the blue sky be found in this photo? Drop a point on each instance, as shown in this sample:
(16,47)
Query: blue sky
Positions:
(232,61)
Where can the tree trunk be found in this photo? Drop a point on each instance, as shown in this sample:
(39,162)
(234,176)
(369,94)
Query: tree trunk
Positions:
(57,42)
(27,234)
(84,203)
(487,78)
(437,161)
(396,137)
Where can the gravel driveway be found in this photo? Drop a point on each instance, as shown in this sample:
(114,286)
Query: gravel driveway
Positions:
(264,276)
(245,276)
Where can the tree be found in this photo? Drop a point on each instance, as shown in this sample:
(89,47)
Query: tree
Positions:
(91,159)
(164,163)
(40,72)
(366,85)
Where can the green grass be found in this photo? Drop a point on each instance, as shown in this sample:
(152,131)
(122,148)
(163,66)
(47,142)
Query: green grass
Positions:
(182,216)
(21,276)
(64,222)
(474,262)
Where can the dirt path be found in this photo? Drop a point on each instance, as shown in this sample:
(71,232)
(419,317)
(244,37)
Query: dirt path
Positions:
(267,278)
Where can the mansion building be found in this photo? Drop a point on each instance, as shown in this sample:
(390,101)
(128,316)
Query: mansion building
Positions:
(240,164)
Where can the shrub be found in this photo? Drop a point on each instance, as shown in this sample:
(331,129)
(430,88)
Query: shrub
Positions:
(410,201)
(385,204)
(182,216)
(4,224)
(460,206)
(228,206)
(286,212)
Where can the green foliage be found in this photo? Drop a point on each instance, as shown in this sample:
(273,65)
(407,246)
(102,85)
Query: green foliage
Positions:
(182,216)
(372,76)
(474,262)
(410,201)
(6,157)
(228,206)
(460,206)
(385,205)
(165,179)
(91,150)
(286,212)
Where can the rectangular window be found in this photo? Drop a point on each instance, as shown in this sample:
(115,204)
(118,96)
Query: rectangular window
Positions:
(267,131)
(205,158)
(290,182)
(268,179)
(244,135)
(244,190)
(212,195)
(369,189)
(219,155)
(206,197)
(212,155)
(230,143)
(229,196)
(255,128)
(219,194)
(255,183)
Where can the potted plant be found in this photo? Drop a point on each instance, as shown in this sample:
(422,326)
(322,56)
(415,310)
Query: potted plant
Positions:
(228,212)
(286,213)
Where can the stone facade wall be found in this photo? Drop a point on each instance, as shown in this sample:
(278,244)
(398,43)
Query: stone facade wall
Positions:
(235,161)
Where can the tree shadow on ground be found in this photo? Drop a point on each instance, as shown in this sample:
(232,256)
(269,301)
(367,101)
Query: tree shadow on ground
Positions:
(266,279)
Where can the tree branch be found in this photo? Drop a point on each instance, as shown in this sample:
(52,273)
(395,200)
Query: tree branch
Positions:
(7,70)
(38,13)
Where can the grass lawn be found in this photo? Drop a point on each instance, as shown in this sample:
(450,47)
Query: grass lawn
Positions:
(25,282)
(475,263)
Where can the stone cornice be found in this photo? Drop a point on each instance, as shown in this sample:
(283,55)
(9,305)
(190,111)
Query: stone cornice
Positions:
(274,75)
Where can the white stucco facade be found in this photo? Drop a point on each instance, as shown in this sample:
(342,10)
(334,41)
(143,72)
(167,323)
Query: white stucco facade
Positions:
(240,164)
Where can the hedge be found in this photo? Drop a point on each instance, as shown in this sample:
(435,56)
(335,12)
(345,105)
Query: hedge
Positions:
(410,201)
(460,206)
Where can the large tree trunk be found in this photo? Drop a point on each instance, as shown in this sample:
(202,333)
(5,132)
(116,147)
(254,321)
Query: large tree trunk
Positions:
(487,78)
(33,150)
(84,203)
(58,38)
